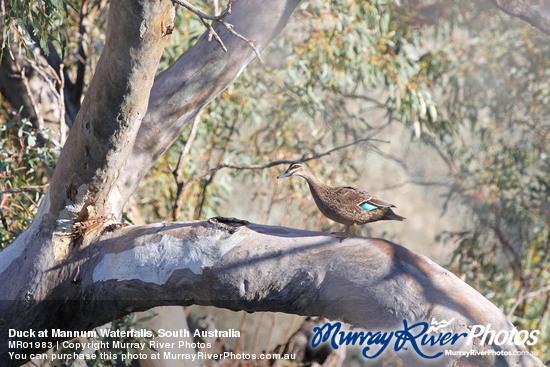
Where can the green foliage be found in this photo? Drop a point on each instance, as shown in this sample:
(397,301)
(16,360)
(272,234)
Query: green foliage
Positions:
(480,100)
(33,21)
(24,167)
(330,56)
(494,132)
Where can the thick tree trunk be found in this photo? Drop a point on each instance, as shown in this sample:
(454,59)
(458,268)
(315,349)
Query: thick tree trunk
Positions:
(198,76)
(97,148)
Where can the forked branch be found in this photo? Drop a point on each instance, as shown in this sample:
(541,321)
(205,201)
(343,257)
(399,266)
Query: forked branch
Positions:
(208,20)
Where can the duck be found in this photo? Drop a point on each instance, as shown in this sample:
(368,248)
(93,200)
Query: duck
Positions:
(343,204)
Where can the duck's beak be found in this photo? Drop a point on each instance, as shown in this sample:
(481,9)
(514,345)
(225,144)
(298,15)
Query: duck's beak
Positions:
(286,174)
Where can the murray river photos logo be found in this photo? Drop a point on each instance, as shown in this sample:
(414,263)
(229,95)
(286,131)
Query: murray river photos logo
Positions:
(419,337)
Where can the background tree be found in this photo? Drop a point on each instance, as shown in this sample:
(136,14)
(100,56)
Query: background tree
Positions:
(323,79)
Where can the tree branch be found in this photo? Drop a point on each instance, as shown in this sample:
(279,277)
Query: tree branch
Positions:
(105,129)
(51,77)
(219,19)
(369,283)
(24,189)
(5,222)
(83,183)
(194,80)
(39,119)
(202,195)
(43,81)
(178,171)
(238,166)
(202,14)
(523,10)
(525,296)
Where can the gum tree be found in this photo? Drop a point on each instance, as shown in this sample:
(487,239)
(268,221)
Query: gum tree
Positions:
(77,266)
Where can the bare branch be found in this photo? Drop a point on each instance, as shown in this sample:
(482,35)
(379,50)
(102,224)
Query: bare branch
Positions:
(204,17)
(257,333)
(418,183)
(200,200)
(178,171)
(251,43)
(24,189)
(194,80)
(87,16)
(526,296)
(274,163)
(213,33)
(516,258)
(202,14)
(5,223)
(61,99)
(373,283)
(376,102)
(37,112)
(49,75)
(85,174)
(524,11)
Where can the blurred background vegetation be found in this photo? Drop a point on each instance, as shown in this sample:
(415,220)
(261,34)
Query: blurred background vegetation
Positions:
(440,107)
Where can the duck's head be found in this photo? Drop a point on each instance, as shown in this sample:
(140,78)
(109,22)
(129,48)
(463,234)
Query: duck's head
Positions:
(298,169)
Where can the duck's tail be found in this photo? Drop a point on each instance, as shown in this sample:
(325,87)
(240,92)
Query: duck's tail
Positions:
(390,215)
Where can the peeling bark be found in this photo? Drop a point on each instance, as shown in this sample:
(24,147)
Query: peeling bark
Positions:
(369,283)
(104,132)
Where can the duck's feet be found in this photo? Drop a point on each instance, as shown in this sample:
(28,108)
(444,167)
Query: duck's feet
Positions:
(353,228)
(345,234)
(340,234)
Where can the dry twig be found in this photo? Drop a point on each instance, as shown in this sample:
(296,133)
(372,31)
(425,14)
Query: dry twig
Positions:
(527,295)
(209,19)
(54,82)
(5,223)
(178,172)
(257,333)
(20,189)
(274,163)
(36,109)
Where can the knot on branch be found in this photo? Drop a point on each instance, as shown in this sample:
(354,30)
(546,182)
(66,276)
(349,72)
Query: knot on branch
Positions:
(98,225)
(228,224)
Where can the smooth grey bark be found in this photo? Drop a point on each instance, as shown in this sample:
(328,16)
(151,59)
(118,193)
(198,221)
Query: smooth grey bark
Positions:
(102,138)
(105,129)
(369,283)
(196,78)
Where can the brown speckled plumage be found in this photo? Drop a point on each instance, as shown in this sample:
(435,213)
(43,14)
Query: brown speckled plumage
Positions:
(342,204)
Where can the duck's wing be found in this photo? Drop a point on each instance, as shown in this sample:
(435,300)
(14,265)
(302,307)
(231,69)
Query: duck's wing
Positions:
(361,198)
